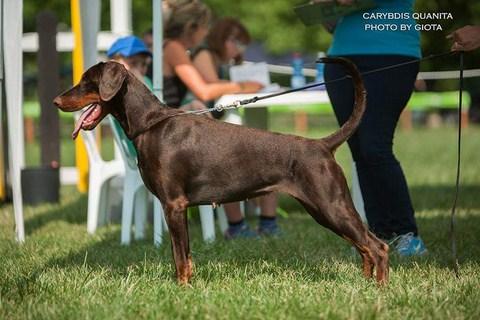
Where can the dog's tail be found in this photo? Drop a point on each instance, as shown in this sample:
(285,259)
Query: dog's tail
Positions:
(334,140)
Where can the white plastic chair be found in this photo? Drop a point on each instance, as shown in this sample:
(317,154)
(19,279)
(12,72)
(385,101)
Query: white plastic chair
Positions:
(100,174)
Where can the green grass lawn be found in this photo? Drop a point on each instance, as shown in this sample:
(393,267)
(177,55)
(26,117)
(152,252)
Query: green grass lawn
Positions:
(309,273)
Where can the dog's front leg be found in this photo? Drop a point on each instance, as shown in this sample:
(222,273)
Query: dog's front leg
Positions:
(176,216)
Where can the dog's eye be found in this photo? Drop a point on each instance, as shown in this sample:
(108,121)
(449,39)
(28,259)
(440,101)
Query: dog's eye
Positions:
(88,86)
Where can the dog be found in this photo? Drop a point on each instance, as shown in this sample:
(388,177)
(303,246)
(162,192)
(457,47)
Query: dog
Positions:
(188,160)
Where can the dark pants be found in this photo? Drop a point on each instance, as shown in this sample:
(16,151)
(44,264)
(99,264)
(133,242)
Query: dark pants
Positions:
(384,189)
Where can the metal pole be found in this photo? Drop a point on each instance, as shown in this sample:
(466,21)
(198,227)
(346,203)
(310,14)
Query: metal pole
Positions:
(81,158)
(12,17)
(157,49)
(3,193)
(121,16)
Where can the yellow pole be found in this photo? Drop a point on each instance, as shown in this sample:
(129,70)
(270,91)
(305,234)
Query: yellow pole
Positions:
(81,158)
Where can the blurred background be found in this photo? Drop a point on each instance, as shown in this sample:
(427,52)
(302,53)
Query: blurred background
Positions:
(274,26)
(277,33)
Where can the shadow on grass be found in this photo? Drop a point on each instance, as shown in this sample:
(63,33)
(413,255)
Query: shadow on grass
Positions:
(298,253)
(290,253)
(73,210)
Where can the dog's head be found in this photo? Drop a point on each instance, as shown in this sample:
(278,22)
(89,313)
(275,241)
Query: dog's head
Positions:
(98,86)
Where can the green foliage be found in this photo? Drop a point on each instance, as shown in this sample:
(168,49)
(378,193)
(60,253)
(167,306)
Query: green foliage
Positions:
(274,23)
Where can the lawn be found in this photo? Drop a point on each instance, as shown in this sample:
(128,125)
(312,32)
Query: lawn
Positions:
(308,273)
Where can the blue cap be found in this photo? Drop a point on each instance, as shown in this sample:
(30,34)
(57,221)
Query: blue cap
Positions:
(127,47)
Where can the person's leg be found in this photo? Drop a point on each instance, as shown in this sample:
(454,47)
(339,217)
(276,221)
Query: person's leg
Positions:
(384,189)
(232,210)
(268,216)
(237,226)
(268,205)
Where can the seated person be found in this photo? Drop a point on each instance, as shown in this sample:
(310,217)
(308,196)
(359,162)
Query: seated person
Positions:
(185,28)
(132,52)
(225,45)
(134,55)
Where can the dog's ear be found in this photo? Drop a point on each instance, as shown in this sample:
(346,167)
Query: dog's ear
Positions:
(111,81)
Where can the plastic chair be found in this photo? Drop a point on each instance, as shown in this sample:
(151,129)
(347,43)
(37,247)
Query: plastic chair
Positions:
(100,174)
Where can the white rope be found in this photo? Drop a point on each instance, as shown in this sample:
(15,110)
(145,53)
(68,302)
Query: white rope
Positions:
(453,74)
(434,75)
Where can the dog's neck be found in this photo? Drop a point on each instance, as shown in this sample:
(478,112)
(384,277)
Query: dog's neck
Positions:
(141,108)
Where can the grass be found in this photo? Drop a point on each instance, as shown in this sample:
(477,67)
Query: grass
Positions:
(309,273)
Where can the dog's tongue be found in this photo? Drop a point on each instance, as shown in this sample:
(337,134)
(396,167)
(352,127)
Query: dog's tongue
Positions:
(78,125)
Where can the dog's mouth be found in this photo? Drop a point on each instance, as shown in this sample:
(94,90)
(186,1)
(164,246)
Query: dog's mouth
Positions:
(88,119)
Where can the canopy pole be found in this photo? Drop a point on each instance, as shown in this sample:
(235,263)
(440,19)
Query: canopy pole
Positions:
(12,21)
(157,49)
(81,158)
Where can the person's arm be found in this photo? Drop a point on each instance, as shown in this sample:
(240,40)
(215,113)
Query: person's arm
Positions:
(176,57)
(466,38)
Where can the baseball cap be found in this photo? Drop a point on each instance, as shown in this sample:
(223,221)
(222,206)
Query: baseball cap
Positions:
(128,46)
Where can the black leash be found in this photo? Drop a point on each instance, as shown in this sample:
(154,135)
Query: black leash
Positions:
(457,183)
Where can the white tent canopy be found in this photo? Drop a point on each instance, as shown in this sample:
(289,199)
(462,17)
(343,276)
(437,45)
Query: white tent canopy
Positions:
(11,33)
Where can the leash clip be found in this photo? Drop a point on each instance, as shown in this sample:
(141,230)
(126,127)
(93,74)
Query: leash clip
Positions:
(218,107)
(234,105)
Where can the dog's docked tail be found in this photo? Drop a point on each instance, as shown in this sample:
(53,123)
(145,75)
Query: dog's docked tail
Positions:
(334,140)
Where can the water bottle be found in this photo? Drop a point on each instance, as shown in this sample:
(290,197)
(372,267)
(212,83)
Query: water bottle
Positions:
(298,79)
(320,68)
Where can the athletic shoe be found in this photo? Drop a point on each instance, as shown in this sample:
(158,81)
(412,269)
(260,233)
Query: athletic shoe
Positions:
(408,245)
(244,232)
(272,230)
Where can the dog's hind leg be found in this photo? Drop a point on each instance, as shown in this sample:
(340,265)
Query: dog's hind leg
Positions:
(176,217)
(331,206)
(345,222)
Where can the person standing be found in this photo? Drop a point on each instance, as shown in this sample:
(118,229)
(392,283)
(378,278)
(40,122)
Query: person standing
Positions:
(388,206)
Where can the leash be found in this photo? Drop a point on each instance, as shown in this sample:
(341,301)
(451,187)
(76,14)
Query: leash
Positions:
(457,182)
(240,103)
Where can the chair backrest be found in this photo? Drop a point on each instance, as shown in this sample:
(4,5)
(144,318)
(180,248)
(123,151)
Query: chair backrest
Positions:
(91,145)
(126,147)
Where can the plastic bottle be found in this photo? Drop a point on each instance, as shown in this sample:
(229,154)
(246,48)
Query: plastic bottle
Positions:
(320,68)
(298,79)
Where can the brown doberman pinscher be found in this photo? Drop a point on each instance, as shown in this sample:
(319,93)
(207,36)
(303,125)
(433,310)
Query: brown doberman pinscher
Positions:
(188,160)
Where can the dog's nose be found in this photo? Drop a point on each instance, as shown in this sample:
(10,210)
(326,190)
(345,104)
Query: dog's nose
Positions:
(57,101)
